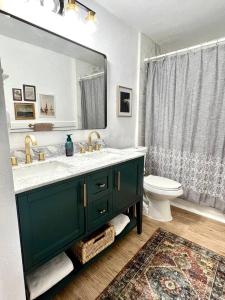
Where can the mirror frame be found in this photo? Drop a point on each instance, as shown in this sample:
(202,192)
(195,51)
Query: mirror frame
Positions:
(78,44)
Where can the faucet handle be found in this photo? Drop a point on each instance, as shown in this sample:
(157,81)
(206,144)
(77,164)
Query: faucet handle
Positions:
(41,156)
(14,161)
(97,147)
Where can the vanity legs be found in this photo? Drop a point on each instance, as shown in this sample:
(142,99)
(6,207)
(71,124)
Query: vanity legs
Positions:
(139,207)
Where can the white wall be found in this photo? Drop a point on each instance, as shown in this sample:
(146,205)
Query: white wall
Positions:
(11,277)
(118,41)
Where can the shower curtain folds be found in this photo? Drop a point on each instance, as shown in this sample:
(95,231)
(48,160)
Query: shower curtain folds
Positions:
(185,122)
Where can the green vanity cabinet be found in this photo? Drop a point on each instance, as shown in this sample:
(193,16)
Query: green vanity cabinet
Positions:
(126,185)
(54,217)
(49,219)
(99,198)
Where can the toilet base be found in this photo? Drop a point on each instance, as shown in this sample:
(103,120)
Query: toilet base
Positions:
(159,210)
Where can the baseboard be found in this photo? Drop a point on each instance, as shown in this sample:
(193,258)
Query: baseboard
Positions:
(204,211)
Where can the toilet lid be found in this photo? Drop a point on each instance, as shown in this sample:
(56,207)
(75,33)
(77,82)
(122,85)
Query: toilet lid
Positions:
(162,183)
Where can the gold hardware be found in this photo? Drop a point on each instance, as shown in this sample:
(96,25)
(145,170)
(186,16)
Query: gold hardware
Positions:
(102,211)
(72,5)
(41,156)
(29,139)
(118,182)
(14,161)
(85,195)
(82,149)
(90,16)
(97,147)
(90,146)
(101,185)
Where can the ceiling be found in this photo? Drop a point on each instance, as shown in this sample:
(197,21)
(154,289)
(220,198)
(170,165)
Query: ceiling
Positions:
(173,24)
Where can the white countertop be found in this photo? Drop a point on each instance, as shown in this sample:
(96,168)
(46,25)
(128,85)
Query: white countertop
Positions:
(38,174)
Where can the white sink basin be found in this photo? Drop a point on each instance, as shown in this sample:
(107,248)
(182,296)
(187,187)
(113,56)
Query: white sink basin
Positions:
(40,169)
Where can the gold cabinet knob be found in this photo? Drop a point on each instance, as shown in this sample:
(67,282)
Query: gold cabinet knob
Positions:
(14,161)
(41,156)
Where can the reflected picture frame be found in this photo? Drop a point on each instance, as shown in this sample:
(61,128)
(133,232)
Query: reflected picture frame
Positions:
(24,111)
(17,94)
(29,93)
(124,101)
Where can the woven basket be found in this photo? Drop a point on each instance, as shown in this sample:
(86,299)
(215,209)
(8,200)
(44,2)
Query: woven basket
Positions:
(87,249)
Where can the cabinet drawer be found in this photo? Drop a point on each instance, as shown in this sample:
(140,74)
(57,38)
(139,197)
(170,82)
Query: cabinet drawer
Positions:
(99,211)
(99,184)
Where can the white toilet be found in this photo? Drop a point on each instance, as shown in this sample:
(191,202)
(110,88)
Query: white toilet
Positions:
(158,191)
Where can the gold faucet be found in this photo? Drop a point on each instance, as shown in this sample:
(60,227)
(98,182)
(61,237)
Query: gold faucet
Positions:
(28,140)
(90,145)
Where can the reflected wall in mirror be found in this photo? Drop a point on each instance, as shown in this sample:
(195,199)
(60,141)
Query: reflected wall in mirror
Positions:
(69,79)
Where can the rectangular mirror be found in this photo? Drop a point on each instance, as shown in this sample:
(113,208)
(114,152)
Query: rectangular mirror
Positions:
(50,79)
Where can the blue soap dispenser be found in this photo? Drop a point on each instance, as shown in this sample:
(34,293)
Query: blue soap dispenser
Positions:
(69,146)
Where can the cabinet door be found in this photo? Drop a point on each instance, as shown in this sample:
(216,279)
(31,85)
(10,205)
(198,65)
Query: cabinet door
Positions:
(50,218)
(127,185)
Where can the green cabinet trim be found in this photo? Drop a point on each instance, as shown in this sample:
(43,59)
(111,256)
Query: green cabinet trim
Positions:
(53,217)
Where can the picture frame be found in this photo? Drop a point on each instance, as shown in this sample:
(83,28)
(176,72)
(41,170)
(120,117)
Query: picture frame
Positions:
(47,106)
(29,93)
(17,94)
(124,101)
(24,111)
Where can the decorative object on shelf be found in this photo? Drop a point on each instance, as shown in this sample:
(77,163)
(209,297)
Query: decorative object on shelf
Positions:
(97,242)
(41,126)
(170,267)
(24,111)
(17,94)
(29,93)
(47,106)
(124,102)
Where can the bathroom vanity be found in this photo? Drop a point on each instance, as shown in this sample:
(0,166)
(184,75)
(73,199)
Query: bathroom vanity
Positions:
(67,199)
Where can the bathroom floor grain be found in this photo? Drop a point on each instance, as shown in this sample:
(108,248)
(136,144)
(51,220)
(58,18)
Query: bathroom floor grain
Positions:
(92,281)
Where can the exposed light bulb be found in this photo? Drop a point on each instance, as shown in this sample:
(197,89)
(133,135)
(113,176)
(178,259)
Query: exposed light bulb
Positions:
(91,22)
(71,10)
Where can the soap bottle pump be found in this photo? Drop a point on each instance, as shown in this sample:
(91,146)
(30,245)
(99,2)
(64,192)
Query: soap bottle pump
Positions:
(69,146)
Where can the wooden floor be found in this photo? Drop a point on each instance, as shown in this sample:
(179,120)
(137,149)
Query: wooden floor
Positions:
(91,282)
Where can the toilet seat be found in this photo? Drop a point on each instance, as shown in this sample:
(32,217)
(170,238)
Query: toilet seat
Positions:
(162,184)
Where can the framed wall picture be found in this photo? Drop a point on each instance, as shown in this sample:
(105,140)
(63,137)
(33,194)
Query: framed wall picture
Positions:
(17,94)
(47,106)
(24,111)
(29,92)
(124,102)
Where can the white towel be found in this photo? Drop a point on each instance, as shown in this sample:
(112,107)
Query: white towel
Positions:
(119,223)
(48,275)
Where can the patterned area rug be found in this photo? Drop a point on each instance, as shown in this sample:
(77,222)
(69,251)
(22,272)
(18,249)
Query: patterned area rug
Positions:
(169,267)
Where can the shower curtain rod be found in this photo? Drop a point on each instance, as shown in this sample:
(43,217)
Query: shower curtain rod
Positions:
(207,44)
(90,76)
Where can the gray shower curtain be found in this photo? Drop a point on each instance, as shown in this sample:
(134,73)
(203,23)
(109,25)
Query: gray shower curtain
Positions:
(93,102)
(185,123)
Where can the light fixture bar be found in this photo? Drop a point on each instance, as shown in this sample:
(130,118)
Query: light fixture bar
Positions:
(63,6)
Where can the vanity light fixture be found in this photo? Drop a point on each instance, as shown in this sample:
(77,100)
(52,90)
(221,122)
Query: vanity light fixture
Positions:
(72,5)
